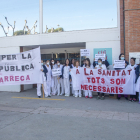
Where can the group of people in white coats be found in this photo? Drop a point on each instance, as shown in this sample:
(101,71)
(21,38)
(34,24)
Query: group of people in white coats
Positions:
(60,85)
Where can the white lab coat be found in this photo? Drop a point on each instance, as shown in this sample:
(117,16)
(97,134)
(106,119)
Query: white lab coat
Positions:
(60,82)
(49,75)
(77,92)
(66,80)
(54,82)
(73,92)
(102,66)
(44,85)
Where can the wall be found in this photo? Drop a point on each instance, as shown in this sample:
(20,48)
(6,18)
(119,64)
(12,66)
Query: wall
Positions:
(9,50)
(132,27)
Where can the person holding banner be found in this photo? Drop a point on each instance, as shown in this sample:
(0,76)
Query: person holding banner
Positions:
(72,66)
(54,78)
(77,92)
(60,82)
(67,77)
(122,57)
(105,62)
(103,67)
(136,68)
(44,78)
(49,77)
(88,93)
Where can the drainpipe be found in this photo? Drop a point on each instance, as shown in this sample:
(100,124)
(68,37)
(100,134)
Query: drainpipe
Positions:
(124,23)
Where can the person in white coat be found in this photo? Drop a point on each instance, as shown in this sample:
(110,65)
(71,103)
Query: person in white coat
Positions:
(77,92)
(44,78)
(49,77)
(133,66)
(60,81)
(88,93)
(103,67)
(71,67)
(67,77)
(54,78)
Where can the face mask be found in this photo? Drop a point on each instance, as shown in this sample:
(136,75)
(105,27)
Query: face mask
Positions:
(52,62)
(58,64)
(100,63)
(48,63)
(42,64)
(122,58)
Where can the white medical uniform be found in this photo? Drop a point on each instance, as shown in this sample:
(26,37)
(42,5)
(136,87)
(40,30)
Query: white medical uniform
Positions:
(66,80)
(54,82)
(49,75)
(44,84)
(91,66)
(77,92)
(60,82)
(73,92)
(136,84)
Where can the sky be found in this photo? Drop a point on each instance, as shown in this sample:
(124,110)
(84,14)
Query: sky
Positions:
(69,14)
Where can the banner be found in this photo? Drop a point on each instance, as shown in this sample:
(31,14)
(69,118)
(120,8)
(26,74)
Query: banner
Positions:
(97,56)
(85,52)
(56,72)
(22,68)
(119,64)
(105,81)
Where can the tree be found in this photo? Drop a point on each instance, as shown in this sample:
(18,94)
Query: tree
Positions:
(56,30)
(20,32)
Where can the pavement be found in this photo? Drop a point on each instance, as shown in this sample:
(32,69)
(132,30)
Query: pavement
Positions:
(23,116)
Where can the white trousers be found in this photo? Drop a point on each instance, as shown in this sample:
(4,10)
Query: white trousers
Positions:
(48,84)
(39,88)
(67,86)
(60,83)
(54,85)
(88,93)
(77,93)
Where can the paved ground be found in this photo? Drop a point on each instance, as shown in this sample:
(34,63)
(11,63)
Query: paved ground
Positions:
(67,118)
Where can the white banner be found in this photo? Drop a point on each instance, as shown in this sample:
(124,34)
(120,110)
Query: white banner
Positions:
(22,68)
(106,81)
(97,56)
(85,52)
(119,64)
(56,72)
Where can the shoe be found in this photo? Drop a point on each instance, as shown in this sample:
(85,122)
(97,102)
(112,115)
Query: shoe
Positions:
(126,98)
(134,100)
(80,96)
(102,98)
(39,96)
(76,96)
(46,96)
(98,97)
(49,95)
(86,97)
(61,94)
(90,97)
(118,98)
(130,100)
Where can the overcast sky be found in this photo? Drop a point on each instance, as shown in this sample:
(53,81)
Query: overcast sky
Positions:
(69,14)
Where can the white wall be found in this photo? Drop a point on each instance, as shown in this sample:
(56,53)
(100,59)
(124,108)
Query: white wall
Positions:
(9,50)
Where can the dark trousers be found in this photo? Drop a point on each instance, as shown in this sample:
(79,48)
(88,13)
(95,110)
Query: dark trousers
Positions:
(100,94)
(134,96)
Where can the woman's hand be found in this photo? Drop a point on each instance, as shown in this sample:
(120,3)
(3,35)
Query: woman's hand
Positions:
(70,80)
(41,69)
